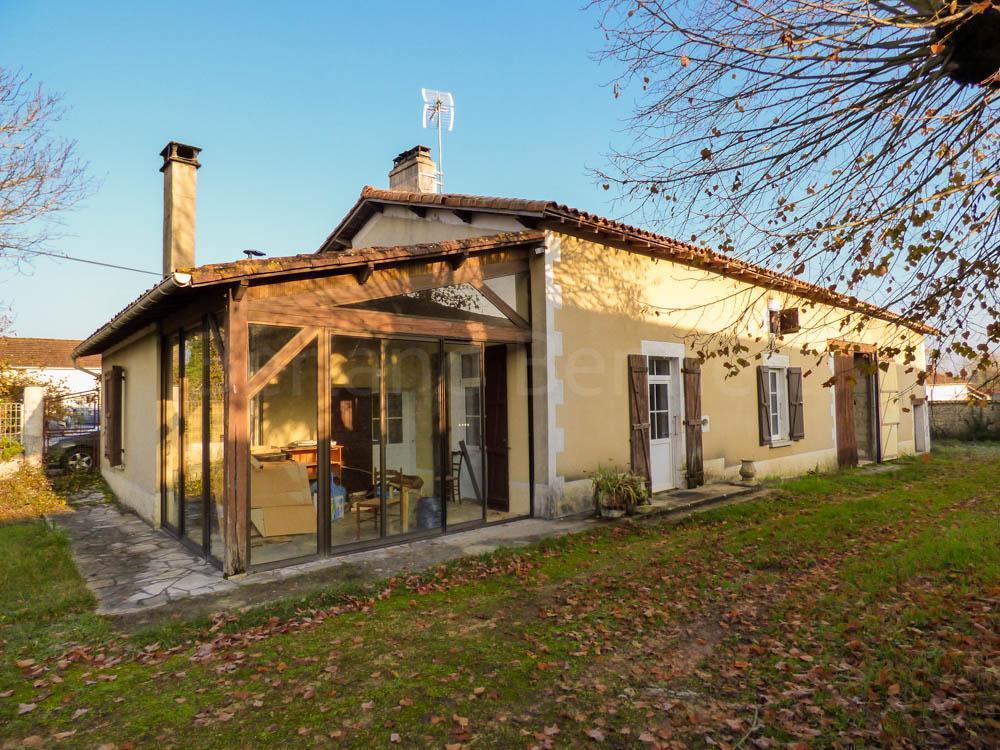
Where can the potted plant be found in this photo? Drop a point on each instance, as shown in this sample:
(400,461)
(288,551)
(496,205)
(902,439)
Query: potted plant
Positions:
(617,492)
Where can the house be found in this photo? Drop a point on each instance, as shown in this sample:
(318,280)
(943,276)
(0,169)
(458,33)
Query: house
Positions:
(944,387)
(50,361)
(444,361)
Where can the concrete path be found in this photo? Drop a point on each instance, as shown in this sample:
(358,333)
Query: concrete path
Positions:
(136,571)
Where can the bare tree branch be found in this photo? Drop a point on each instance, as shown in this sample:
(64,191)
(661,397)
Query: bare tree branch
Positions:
(40,174)
(854,143)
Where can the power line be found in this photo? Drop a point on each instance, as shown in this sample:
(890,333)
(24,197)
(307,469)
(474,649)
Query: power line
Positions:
(62,256)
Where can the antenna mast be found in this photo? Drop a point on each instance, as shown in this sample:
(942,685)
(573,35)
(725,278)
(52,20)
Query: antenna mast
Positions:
(439,111)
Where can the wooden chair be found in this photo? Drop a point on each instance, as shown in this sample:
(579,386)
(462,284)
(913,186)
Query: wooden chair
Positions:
(455,478)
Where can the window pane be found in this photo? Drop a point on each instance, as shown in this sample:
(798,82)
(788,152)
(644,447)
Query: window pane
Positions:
(470,365)
(659,396)
(394,431)
(216,446)
(171,438)
(659,366)
(193,389)
(355,506)
(412,498)
(266,341)
(283,516)
(466,488)
(662,422)
(456,302)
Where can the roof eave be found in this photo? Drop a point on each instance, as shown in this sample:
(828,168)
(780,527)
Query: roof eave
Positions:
(167,287)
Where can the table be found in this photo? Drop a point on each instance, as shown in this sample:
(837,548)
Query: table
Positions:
(307,455)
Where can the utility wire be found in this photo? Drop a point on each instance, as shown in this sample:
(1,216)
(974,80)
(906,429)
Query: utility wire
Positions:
(92,262)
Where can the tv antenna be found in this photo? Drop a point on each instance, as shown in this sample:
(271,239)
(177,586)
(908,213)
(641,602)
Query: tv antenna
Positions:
(439,111)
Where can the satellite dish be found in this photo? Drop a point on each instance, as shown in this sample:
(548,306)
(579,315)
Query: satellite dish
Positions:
(438,112)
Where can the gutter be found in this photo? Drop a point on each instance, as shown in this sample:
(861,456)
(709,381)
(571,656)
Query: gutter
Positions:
(168,287)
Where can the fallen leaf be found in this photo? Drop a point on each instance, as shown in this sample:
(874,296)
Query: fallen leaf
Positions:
(25,708)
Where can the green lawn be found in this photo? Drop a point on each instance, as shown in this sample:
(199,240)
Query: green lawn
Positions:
(851,609)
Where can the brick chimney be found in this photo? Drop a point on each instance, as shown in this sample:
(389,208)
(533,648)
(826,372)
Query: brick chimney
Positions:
(180,183)
(414,171)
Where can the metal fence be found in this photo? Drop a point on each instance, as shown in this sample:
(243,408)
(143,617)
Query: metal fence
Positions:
(72,431)
(10,421)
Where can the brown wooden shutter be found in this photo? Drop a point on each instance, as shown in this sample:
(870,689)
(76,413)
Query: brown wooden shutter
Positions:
(788,320)
(692,422)
(112,397)
(796,417)
(638,407)
(763,417)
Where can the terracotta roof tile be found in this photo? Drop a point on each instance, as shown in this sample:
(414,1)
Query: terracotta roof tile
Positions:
(153,301)
(637,238)
(20,351)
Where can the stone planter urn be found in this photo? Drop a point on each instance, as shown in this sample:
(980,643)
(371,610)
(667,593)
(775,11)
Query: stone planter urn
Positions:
(748,470)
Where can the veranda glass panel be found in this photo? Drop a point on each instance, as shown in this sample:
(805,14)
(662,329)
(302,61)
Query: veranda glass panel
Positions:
(216,446)
(265,341)
(193,390)
(283,507)
(355,504)
(456,302)
(171,433)
(412,497)
(464,388)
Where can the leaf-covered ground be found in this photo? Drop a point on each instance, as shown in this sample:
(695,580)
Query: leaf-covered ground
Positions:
(858,609)
(27,494)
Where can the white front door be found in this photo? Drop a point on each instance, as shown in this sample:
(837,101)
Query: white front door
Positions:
(661,417)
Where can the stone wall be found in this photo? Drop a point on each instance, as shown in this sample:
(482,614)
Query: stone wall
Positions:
(964,420)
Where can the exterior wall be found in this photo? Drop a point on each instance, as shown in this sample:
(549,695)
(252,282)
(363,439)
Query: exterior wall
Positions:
(400,226)
(136,483)
(964,420)
(73,380)
(608,302)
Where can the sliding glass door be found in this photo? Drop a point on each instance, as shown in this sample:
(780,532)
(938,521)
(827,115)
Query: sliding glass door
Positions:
(466,458)
(193,432)
(410,437)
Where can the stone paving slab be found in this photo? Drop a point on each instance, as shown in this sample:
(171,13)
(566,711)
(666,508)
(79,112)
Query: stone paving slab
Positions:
(134,569)
(127,563)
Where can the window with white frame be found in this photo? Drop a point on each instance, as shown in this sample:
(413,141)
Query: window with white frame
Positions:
(658,369)
(777,402)
(780,402)
(393,418)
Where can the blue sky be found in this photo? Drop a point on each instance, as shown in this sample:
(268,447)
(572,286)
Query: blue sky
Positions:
(296,106)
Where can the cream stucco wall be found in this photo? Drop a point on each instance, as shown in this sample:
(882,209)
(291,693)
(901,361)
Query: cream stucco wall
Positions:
(396,225)
(609,301)
(136,483)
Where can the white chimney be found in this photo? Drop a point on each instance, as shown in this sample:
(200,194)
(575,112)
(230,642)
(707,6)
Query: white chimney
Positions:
(414,171)
(180,184)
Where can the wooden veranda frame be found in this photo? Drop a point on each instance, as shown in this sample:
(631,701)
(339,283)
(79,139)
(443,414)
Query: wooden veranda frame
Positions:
(315,305)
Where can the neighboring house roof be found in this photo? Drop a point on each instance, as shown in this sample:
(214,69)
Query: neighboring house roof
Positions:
(21,352)
(170,293)
(942,382)
(570,220)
